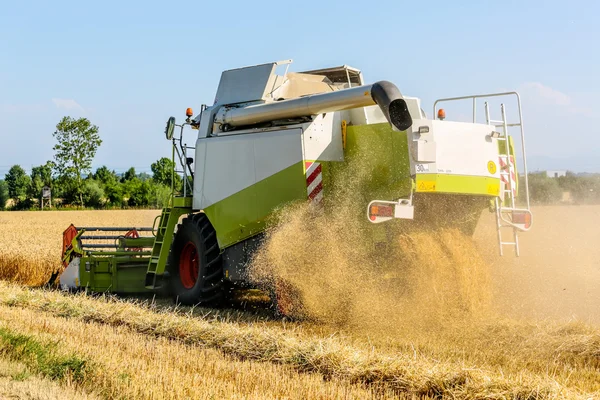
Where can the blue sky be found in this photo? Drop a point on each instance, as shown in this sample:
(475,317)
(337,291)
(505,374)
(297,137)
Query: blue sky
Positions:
(128,66)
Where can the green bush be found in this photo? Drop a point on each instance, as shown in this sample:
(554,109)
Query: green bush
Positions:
(544,190)
(93,195)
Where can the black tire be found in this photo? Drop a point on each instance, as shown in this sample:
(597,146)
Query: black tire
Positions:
(195,264)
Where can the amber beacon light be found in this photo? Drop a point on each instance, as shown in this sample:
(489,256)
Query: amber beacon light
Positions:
(441,114)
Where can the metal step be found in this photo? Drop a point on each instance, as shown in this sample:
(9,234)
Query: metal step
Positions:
(162,244)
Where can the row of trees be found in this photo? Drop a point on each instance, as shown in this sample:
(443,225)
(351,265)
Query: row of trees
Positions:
(582,189)
(73,183)
(104,188)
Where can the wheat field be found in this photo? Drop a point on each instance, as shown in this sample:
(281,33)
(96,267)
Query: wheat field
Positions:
(54,345)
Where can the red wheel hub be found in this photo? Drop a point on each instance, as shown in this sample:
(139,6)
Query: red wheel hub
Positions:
(189,265)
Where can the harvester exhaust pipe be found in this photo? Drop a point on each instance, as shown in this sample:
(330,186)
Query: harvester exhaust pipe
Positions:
(383,93)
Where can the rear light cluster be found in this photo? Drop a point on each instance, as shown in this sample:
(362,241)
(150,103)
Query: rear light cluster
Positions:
(522,218)
(377,210)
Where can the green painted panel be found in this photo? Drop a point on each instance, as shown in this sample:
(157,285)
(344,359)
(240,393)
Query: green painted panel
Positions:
(130,279)
(108,274)
(243,214)
(380,157)
(183,202)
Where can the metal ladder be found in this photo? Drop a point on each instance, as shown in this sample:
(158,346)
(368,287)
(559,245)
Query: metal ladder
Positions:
(508,215)
(505,204)
(164,234)
(158,250)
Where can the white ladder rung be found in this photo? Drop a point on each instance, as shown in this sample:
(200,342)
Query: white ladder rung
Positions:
(500,123)
(508,243)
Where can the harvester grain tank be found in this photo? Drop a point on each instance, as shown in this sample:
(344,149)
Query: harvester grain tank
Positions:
(271,139)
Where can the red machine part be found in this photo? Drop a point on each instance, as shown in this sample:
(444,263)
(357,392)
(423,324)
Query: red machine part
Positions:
(68,236)
(134,234)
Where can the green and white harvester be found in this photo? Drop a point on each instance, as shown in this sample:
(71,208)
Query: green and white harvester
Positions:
(271,139)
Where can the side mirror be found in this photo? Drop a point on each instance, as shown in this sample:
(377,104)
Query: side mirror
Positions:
(170,128)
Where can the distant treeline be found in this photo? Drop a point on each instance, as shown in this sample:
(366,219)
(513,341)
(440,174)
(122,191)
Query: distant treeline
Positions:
(106,189)
(72,182)
(571,188)
(103,188)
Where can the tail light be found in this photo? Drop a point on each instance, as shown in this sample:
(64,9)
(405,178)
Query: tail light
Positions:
(522,218)
(379,210)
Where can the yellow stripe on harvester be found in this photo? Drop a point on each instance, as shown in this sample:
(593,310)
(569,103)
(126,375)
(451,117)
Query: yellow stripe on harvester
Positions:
(463,184)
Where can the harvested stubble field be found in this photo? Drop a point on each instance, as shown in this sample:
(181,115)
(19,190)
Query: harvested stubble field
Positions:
(538,338)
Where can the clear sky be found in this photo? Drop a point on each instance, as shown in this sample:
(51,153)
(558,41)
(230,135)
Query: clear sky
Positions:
(128,66)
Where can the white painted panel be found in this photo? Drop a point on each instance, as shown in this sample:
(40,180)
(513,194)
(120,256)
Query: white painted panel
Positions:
(229,167)
(359,116)
(426,151)
(276,151)
(464,148)
(69,279)
(232,163)
(373,115)
(245,84)
(422,147)
(199,169)
(322,138)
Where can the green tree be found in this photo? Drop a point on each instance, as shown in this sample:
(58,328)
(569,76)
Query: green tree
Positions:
(128,175)
(40,176)
(140,193)
(3,194)
(104,175)
(543,189)
(18,182)
(144,176)
(162,171)
(114,193)
(584,189)
(93,194)
(162,195)
(78,140)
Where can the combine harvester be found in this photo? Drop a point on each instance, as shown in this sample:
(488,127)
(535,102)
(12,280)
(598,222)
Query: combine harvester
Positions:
(272,139)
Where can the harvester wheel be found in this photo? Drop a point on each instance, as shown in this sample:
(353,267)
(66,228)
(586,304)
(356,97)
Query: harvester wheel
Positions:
(196,268)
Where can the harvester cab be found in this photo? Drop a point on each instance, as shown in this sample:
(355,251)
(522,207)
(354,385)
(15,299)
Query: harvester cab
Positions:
(273,138)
